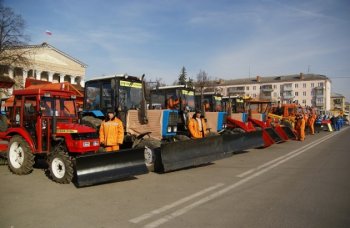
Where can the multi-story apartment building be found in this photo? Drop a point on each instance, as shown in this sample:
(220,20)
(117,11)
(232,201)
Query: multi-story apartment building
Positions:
(305,89)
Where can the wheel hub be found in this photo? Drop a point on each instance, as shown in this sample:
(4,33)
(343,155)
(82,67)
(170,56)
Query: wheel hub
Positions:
(148,156)
(16,155)
(58,168)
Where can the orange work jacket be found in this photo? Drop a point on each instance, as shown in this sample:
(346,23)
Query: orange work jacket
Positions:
(112,132)
(300,124)
(193,127)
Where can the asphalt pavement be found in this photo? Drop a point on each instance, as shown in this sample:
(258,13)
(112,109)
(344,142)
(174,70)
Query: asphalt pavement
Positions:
(291,184)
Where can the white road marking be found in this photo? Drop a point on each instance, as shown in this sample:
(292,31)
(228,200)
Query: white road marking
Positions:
(169,206)
(279,158)
(214,195)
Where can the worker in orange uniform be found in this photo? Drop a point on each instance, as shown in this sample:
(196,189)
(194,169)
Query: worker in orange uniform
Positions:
(197,126)
(300,127)
(312,119)
(111,132)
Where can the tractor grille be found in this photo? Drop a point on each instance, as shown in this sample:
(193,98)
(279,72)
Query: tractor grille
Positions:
(173,118)
(84,136)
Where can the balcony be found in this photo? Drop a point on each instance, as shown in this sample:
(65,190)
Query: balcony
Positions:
(287,88)
(235,90)
(319,104)
(266,88)
(288,96)
(266,96)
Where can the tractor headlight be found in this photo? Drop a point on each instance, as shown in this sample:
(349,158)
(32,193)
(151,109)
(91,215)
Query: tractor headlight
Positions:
(169,129)
(175,128)
(95,143)
(86,144)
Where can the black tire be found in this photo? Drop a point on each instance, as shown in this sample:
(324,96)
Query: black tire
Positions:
(3,161)
(92,122)
(211,134)
(60,167)
(238,131)
(3,123)
(182,138)
(150,146)
(20,158)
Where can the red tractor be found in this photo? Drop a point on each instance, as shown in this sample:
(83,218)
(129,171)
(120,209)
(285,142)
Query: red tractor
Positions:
(43,123)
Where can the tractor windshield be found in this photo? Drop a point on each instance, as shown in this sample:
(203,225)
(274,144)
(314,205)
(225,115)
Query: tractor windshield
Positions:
(130,95)
(61,107)
(187,99)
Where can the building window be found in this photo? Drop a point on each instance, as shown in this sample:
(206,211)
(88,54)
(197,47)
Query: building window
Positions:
(304,101)
(296,94)
(296,85)
(304,85)
(247,88)
(275,86)
(320,84)
(254,87)
(304,93)
(274,94)
(312,92)
(312,85)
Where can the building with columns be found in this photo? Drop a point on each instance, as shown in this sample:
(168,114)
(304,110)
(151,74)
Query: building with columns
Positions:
(46,63)
(305,89)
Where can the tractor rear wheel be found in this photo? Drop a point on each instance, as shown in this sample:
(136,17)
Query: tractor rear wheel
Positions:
(19,156)
(60,167)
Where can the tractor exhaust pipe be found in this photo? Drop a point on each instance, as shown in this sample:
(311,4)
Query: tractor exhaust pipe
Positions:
(144,118)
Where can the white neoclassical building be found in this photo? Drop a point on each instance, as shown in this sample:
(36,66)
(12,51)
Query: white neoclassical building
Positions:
(46,63)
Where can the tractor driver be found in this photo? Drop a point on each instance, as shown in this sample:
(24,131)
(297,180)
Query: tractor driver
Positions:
(197,126)
(111,132)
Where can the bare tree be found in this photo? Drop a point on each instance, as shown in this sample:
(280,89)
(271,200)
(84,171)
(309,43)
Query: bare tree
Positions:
(12,40)
(203,80)
(12,37)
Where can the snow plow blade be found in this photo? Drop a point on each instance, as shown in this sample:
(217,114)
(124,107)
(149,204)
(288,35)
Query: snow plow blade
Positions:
(189,153)
(285,132)
(290,133)
(111,166)
(274,135)
(242,141)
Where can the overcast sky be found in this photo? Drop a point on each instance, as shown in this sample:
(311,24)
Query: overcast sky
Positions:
(227,39)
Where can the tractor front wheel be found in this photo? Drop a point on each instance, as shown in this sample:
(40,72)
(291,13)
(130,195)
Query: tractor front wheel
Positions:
(20,158)
(60,167)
